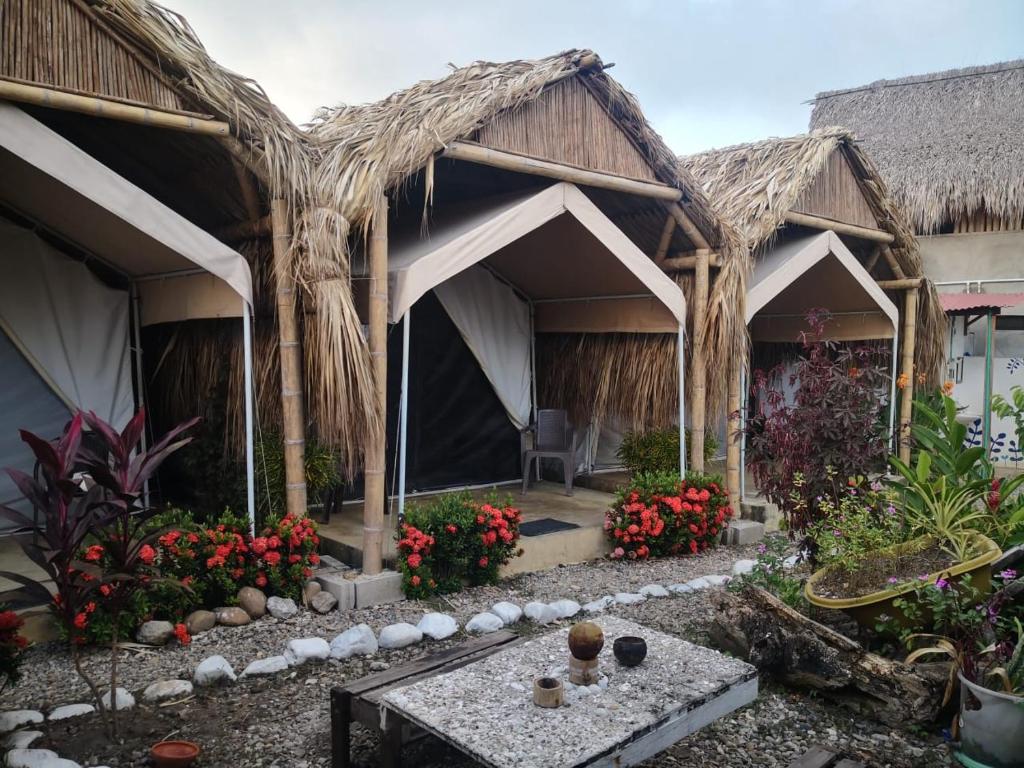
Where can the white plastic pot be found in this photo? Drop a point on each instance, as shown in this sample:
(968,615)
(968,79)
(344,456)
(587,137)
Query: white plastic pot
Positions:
(992,735)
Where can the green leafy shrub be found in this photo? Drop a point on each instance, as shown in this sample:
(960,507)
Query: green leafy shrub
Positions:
(771,574)
(453,540)
(11,646)
(657,515)
(323,472)
(658,450)
(284,554)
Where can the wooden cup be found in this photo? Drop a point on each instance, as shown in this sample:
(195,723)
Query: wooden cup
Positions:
(548,692)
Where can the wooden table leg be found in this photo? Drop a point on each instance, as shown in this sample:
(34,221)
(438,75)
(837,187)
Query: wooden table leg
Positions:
(341,724)
(391,742)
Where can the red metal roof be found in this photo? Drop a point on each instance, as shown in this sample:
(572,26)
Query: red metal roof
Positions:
(959,302)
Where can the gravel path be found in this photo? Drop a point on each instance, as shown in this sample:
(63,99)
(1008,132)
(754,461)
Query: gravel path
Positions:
(284,720)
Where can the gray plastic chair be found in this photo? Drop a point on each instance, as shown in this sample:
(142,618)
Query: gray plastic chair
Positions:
(553,438)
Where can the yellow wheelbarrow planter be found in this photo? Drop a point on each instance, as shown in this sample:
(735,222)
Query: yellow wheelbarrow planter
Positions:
(976,572)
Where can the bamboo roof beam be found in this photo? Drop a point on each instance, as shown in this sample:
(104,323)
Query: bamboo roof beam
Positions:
(901,284)
(686,261)
(110,109)
(894,265)
(512,161)
(685,223)
(839,227)
(666,240)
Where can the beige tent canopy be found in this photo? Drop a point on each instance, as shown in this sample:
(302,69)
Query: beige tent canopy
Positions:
(61,188)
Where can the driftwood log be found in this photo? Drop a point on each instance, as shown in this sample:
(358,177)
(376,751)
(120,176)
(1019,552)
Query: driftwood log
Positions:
(797,651)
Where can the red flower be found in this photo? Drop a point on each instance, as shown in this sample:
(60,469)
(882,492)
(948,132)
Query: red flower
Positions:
(414,561)
(81,621)
(293,559)
(483,562)
(261,579)
(415,581)
(451,528)
(314,559)
(181,632)
(693,546)
(147,554)
(272,558)
(94,553)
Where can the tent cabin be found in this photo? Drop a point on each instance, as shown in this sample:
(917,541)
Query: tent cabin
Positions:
(823,232)
(135,175)
(948,146)
(521,230)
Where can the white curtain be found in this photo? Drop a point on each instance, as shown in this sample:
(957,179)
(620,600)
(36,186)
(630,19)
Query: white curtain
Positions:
(495,324)
(67,324)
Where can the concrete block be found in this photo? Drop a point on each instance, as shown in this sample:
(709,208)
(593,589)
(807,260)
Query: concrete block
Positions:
(335,583)
(385,587)
(752,510)
(328,563)
(745,532)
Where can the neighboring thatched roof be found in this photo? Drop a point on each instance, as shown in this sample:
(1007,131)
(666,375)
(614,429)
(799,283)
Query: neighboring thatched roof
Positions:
(755,185)
(375,148)
(948,143)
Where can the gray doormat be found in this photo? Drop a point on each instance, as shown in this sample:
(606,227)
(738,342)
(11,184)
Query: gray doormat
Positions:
(545,525)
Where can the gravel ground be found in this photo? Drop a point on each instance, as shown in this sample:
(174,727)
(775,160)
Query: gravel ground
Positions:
(284,720)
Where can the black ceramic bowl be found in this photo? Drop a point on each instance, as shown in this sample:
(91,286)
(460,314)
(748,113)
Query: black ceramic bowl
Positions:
(630,650)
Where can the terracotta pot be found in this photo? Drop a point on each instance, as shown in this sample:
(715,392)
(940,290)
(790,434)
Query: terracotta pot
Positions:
(629,650)
(174,754)
(866,610)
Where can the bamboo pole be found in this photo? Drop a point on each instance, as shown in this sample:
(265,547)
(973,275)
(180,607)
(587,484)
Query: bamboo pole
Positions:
(373,504)
(907,396)
(688,227)
(901,284)
(292,406)
(839,227)
(666,239)
(872,260)
(894,265)
(112,110)
(698,366)
(732,433)
(511,161)
(687,262)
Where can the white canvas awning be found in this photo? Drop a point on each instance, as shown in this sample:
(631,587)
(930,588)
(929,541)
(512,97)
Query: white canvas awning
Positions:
(50,180)
(814,272)
(557,248)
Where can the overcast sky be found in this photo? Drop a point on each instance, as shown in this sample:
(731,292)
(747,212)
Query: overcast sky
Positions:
(708,73)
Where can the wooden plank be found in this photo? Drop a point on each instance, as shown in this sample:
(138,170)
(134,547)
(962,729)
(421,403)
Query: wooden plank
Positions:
(841,228)
(835,193)
(816,757)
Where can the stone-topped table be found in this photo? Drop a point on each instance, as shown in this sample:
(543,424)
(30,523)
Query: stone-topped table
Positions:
(485,709)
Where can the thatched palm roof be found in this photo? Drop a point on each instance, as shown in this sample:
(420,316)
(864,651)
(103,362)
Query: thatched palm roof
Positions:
(755,185)
(948,143)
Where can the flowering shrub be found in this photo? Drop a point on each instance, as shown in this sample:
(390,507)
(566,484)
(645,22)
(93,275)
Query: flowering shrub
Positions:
(774,574)
(284,554)
(224,559)
(454,540)
(11,646)
(657,515)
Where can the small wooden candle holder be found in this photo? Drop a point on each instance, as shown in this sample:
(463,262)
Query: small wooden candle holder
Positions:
(548,692)
(583,672)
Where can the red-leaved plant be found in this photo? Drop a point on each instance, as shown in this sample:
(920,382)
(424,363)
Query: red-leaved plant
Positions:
(831,426)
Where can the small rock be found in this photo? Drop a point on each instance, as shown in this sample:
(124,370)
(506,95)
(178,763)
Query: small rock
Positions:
(21,739)
(155,632)
(379,666)
(717,581)
(71,710)
(19,717)
(438,625)
(122,699)
(566,608)
(599,605)
(399,636)
(282,607)
(269,666)
(214,669)
(311,590)
(253,602)
(791,562)
(232,616)
(679,589)
(166,690)
(542,613)
(355,640)
(742,567)
(484,623)
(628,598)
(198,622)
(37,758)
(323,602)
(509,613)
(654,590)
(306,649)
(697,584)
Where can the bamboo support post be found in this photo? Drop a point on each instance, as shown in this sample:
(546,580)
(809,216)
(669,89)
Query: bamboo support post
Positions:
(666,240)
(698,367)
(292,406)
(839,227)
(373,505)
(872,260)
(907,396)
(732,434)
(890,259)
(688,227)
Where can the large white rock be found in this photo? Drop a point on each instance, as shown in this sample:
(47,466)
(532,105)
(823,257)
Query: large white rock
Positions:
(742,567)
(71,710)
(16,718)
(281,607)
(166,690)
(699,583)
(542,613)
(599,605)
(628,598)
(399,635)
(438,625)
(21,739)
(155,632)
(304,649)
(654,590)
(679,589)
(215,669)
(566,608)
(38,758)
(122,699)
(484,623)
(509,613)
(717,581)
(355,640)
(269,666)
